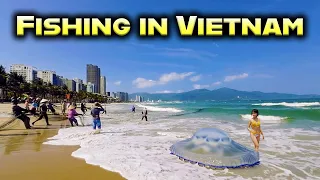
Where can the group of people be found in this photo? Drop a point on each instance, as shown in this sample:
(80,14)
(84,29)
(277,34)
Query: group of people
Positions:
(253,126)
(44,105)
(144,112)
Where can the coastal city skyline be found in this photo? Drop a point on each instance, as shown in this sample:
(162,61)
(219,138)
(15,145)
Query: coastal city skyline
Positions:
(94,77)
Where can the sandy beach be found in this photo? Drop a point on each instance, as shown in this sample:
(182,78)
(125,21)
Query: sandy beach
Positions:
(23,151)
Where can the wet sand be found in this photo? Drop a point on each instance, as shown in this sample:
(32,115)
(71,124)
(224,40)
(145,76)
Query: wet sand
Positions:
(23,156)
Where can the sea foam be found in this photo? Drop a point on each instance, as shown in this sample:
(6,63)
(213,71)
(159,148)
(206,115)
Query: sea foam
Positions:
(265,119)
(162,109)
(139,150)
(295,104)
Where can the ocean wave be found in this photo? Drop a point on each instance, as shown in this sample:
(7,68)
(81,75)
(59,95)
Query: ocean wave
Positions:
(265,119)
(295,104)
(172,102)
(139,150)
(162,109)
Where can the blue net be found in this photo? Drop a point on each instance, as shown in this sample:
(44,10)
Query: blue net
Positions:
(213,148)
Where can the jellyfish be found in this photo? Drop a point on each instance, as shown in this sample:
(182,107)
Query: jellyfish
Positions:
(214,149)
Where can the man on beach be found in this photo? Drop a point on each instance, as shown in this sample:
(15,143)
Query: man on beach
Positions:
(43,112)
(19,113)
(63,107)
(95,112)
(144,114)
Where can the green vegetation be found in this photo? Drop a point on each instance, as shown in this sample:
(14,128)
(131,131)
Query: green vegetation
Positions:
(12,84)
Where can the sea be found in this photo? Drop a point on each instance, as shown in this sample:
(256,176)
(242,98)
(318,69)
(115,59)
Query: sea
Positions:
(140,150)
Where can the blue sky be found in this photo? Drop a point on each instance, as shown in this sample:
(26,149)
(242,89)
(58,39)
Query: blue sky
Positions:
(174,65)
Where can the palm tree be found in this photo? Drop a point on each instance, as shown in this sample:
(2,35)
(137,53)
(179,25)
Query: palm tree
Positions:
(3,82)
(14,83)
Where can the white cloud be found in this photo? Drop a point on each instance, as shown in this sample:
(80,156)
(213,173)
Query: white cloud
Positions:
(167,91)
(216,83)
(118,83)
(164,92)
(235,77)
(178,52)
(165,78)
(198,86)
(195,78)
(143,83)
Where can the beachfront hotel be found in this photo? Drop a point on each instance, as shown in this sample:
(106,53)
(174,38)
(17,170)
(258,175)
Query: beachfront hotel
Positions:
(48,77)
(93,77)
(28,72)
(103,85)
(79,84)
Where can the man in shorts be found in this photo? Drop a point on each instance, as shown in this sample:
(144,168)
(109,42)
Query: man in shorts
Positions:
(95,112)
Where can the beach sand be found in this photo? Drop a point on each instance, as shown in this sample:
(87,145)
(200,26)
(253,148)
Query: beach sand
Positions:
(23,156)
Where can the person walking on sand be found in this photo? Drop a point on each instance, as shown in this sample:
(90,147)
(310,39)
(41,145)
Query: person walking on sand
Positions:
(255,129)
(26,104)
(63,107)
(37,104)
(51,107)
(33,110)
(43,112)
(144,114)
(19,113)
(133,109)
(83,107)
(71,115)
(95,112)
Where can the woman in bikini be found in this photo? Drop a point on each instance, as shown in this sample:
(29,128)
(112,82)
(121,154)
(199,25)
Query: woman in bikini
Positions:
(255,129)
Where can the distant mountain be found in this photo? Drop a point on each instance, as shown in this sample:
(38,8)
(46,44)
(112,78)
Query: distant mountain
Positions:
(219,94)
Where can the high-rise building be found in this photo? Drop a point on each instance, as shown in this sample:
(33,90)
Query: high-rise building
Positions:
(93,76)
(79,83)
(71,84)
(103,85)
(122,96)
(84,87)
(90,87)
(60,80)
(48,77)
(29,73)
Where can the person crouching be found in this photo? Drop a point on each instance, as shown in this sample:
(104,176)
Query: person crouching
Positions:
(71,115)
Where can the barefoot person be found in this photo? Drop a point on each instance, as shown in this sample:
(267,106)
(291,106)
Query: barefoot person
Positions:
(83,107)
(255,129)
(33,110)
(71,115)
(144,114)
(63,107)
(19,113)
(43,112)
(95,112)
(51,108)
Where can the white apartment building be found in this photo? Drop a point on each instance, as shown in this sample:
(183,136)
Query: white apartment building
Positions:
(48,76)
(28,72)
(79,83)
(103,85)
(90,87)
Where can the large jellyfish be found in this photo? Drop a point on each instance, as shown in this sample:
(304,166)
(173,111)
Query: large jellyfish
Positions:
(213,148)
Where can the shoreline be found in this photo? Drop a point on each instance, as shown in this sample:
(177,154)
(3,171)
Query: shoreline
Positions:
(23,150)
